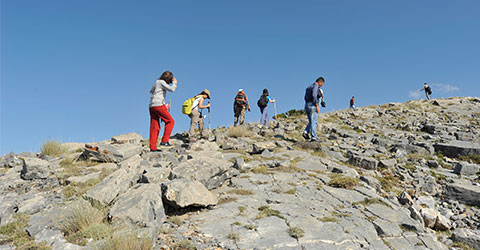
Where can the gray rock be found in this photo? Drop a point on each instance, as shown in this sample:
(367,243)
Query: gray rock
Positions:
(239,163)
(386,228)
(405,199)
(259,147)
(113,185)
(182,193)
(155,175)
(133,138)
(442,223)
(457,148)
(47,219)
(33,205)
(465,168)
(10,161)
(35,168)
(110,152)
(371,181)
(363,162)
(211,172)
(467,236)
(267,154)
(429,216)
(409,149)
(463,191)
(83,179)
(387,163)
(141,205)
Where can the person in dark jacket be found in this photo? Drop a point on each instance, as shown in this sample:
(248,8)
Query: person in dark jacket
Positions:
(312,95)
(262,104)
(240,105)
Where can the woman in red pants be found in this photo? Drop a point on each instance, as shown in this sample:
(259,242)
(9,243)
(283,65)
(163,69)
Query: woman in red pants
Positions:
(158,110)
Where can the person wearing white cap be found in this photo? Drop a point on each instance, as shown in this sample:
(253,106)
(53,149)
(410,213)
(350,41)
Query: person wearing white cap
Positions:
(239,106)
(196,117)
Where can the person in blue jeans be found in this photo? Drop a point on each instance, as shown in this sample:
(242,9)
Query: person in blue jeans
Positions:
(262,104)
(312,95)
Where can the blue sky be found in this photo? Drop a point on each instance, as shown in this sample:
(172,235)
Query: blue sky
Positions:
(80,71)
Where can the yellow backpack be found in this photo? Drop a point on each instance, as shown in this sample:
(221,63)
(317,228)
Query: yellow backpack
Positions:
(188,105)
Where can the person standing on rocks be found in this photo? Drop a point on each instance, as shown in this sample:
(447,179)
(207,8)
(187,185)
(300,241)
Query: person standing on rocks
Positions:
(196,116)
(427,89)
(352,102)
(312,95)
(158,110)
(239,106)
(262,104)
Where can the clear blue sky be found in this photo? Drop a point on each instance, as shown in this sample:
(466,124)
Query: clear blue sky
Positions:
(80,71)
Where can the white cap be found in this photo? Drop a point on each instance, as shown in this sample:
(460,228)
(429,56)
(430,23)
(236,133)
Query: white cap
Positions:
(240,90)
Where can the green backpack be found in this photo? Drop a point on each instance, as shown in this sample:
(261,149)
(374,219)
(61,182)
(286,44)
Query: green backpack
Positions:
(188,105)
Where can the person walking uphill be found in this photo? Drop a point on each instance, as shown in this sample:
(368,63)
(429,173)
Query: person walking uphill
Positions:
(262,104)
(427,89)
(352,102)
(312,94)
(239,106)
(158,110)
(195,116)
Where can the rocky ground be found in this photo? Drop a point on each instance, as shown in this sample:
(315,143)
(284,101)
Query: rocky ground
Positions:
(395,176)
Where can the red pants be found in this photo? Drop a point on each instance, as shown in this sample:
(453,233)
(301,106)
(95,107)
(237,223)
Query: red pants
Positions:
(155,114)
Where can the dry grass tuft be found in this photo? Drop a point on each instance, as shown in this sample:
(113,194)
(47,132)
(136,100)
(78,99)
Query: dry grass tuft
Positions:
(53,148)
(339,181)
(84,222)
(128,241)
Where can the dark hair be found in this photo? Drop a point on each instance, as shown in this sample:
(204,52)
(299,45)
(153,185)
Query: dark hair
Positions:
(265,92)
(320,79)
(167,76)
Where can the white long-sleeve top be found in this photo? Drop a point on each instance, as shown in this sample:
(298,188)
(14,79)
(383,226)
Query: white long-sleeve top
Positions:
(159,92)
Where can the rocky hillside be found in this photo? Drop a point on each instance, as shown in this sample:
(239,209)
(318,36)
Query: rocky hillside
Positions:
(395,176)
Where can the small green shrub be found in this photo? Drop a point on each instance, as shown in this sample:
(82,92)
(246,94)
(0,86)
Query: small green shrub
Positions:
(52,148)
(291,191)
(296,232)
(177,220)
(233,236)
(260,170)
(473,158)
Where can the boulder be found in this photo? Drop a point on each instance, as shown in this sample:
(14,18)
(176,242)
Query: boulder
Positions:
(133,138)
(363,162)
(35,168)
(141,205)
(387,163)
(463,191)
(113,185)
(442,223)
(211,172)
(239,163)
(467,236)
(155,175)
(465,168)
(409,149)
(429,216)
(182,193)
(259,147)
(110,152)
(204,145)
(457,148)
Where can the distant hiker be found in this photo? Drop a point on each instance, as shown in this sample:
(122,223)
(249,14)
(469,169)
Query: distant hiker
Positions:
(262,104)
(352,102)
(158,110)
(427,89)
(196,116)
(239,106)
(312,94)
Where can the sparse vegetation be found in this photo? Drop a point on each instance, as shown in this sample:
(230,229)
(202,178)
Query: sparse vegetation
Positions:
(177,220)
(260,170)
(290,191)
(340,181)
(15,233)
(369,201)
(328,219)
(461,245)
(233,236)
(84,222)
(241,210)
(296,232)
(470,158)
(250,226)
(183,245)
(78,189)
(266,211)
(53,148)
(240,192)
(128,241)
(226,199)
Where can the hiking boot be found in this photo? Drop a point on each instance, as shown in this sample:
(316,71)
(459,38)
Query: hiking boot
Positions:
(155,150)
(166,145)
(313,139)
(306,136)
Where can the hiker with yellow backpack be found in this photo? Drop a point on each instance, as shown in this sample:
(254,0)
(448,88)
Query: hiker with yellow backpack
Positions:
(239,106)
(191,107)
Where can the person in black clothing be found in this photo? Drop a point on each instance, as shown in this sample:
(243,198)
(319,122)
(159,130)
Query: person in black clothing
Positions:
(427,89)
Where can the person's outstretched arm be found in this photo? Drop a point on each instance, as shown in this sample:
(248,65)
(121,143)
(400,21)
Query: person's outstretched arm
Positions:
(165,85)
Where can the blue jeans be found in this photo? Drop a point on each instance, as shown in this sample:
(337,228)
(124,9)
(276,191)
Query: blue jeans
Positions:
(264,118)
(312,115)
